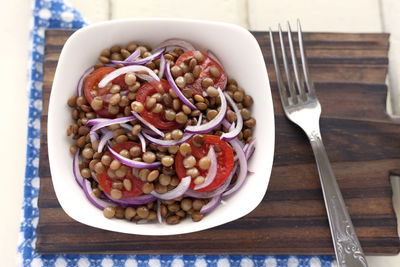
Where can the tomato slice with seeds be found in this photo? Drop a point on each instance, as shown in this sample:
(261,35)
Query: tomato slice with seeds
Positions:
(205,66)
(156,119)
(91,89)
(106,182)
(225,160)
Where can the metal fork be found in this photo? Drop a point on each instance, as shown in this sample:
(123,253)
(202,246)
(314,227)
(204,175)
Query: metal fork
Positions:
(302,107)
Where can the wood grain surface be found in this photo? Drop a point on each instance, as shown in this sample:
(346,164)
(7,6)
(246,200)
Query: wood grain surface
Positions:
(349,71)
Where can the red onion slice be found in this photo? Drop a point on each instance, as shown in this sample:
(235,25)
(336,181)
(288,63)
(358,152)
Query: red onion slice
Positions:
(80,82)
(94,176)
(242,165)
(145,77)
(103,140)
(75,168)
(214,123)
(171,81)
(214,202)
(111,122)
(212,171)
(159,218)
(95,121)
(126,127)
(93,137)
(134,55)
(134,68)
(167,143)
(129,59)
(248,151)
(162,67)
(139,200)
(133,163)
(176,42)
(142,142)
(142,61)
(218,191)
(97,202)
(239,121)
(178,191)
(153,128)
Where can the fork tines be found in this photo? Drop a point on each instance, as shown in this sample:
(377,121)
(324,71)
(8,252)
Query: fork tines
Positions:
(292,92)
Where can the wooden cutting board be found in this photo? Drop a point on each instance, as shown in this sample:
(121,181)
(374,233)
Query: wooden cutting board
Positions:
(363,144)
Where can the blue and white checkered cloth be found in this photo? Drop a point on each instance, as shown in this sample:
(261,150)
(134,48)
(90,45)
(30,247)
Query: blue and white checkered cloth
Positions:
(57,14)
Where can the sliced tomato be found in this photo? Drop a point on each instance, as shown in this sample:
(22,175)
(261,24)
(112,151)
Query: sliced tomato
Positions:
(205,66)
(156,119)
(92,90)
(225,160)
(106,182)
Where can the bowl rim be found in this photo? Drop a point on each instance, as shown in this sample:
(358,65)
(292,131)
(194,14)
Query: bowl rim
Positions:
(267,94)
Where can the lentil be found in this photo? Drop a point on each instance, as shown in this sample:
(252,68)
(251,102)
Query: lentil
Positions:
(199,180)
(198,140)
(172,219)
(130,212)
(109,212)
(152,175)
(147,188)
(116,194)
(149,157)
(167,161)
(143,212)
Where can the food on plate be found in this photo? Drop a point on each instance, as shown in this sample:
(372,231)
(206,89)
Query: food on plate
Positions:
(159,134)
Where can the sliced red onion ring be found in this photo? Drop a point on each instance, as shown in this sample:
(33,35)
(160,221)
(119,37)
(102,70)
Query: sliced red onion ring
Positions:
(162,67)
(167,143)
(176,42)
(75,168)
(248,151)
(214,202)
(80,83)
(242,165)
(142,142)
(212,171)
(137,116)
(218,191)
(95,121)
(133,163)
(239,121)
(134,55)
(93,137)
(178,191)
(145,77)
(159,218)
(97,202)
(157,54)
(103,140)
(126,126)
(171,81)
(131,58)
(94,176)
(134,68)
(139,200)
(214,123)
(111,122)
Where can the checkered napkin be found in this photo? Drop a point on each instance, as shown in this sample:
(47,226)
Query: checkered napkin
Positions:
(57,14)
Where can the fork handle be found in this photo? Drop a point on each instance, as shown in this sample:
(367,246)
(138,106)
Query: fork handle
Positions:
(345,242)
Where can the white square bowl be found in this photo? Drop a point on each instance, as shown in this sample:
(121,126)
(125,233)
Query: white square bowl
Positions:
(242,59)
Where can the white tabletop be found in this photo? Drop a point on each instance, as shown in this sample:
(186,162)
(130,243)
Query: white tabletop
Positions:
(333,15)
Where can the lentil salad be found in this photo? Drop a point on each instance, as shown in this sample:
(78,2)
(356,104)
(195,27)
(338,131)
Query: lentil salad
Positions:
(160,134)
